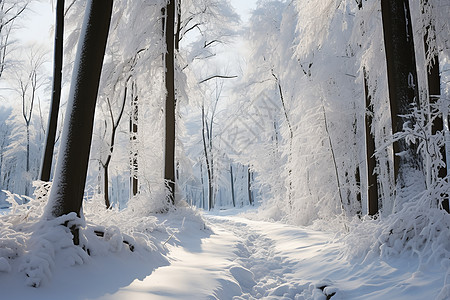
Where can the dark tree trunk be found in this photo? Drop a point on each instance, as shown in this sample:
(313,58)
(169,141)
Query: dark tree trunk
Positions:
(403,93)
(106,185)
(358,192)
(232,186)
(169,58)
(66,195)
(372,176)
(52,125)
(249,186)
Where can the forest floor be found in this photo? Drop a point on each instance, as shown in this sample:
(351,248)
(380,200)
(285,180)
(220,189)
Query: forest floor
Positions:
(236,258)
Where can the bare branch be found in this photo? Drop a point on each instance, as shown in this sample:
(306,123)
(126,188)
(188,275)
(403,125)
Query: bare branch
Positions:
(217,76)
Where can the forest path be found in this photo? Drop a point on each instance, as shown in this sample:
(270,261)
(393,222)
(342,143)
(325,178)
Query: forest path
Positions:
(238,258)
(267,259)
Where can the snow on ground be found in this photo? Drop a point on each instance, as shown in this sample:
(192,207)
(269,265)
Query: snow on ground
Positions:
(233,258)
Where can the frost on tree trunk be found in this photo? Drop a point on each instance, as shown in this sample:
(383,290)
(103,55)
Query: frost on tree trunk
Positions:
(402,83)
(56,93)
(133,137)
(67,191)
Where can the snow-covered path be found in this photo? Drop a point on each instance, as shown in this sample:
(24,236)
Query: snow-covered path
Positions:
(240,260)
(245,259)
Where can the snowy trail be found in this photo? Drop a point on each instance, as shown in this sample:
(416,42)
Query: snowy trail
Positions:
(239,261)
(265,266)
(245,259)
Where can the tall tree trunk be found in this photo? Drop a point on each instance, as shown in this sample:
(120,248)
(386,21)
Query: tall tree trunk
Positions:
(169,59)
(67,191)
(403,93)
(52,125)
(372,176)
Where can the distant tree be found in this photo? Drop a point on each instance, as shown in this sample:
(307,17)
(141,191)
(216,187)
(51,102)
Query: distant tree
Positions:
(67,190)
(115,121)
(403,91)
(28,80)
(52,124)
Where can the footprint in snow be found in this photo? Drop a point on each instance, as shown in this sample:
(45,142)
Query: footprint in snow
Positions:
(244,276)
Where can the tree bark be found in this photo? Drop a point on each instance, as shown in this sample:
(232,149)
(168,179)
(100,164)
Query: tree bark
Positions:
(66,194)
(52,125)
(403,93)
(372,176)
(169,58)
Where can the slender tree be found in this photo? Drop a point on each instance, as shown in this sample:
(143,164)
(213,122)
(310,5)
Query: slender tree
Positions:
(29,81)
(47,159)
(115,121)
(67,191)
(403,91)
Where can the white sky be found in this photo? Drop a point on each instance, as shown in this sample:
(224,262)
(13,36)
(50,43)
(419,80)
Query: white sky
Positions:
(38,25)
(244,8)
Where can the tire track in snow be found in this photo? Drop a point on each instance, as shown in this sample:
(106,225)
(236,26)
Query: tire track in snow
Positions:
(260,269)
